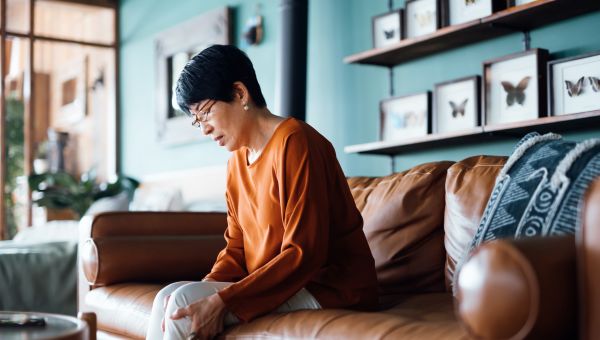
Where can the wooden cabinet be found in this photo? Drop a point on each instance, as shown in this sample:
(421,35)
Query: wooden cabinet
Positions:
(514,19)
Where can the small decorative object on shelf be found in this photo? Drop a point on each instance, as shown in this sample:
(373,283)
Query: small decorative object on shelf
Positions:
(422,17)
(456,12)
(405,117)
(388,28)
(514,87)
(456,105)
(574,84)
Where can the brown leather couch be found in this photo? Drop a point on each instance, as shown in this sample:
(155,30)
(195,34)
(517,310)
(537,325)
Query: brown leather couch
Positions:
(418,224)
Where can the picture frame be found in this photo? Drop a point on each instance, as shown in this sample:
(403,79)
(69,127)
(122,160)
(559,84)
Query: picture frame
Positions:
(513,3)
(388,28)
(514,87)
(422,17)
(71,85)
(574,84)
(456,12)
(405,117)
(173,49)
(457,105)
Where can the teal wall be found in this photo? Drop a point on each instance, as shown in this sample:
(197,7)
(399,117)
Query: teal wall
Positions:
(342,99)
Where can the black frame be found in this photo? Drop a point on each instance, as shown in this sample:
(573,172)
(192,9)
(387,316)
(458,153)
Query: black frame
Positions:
(400,12)
(497,5)
(438,16)
(551,77)
(542,59)
(382,114)
(476,97)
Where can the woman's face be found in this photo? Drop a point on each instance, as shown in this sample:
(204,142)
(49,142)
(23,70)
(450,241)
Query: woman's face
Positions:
(221,121)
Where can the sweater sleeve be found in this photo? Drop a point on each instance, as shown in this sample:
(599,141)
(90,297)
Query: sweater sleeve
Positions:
(301,176)
(230,265)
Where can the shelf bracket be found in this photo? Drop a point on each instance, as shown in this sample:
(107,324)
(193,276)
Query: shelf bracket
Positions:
(390,5)
(391,81)
(392,163)
(525,32)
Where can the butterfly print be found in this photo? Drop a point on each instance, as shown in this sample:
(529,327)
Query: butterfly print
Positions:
(388,34)
(595,82)
(470,2)
(458,110)
(424,19)
(574,89)
(515,93)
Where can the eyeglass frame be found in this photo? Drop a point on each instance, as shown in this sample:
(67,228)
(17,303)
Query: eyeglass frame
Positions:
(202,114)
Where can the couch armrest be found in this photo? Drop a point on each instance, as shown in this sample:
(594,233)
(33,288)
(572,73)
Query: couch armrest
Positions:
(515,289)
(149,246)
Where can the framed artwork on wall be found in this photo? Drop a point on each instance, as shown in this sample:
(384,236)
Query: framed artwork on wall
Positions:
(459,11)
(422,17)
(388,28)
(574,84)
(514,87)
(71,85)
(456,105)
(173,49)
(405,116)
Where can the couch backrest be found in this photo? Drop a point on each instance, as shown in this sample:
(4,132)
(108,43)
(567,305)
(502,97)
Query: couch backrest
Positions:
(469,184)
(403,220)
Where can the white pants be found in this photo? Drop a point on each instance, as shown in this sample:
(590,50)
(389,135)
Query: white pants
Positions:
(184,293)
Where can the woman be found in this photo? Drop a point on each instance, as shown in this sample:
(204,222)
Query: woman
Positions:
(294,235)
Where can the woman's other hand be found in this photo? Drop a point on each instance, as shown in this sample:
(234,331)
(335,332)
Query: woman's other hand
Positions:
(207,316)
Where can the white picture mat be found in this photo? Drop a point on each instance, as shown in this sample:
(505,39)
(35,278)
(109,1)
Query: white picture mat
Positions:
(457,93)
(405,117)
(421,18)
(390,22)
(511,70)
(461,12)
(522,2)
(587,100)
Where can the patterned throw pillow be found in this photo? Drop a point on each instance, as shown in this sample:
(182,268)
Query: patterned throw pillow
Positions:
(539,190)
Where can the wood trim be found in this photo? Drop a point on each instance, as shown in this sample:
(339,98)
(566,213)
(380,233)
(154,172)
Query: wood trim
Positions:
(29,114)
(98,3)
(2,119)
(61,40)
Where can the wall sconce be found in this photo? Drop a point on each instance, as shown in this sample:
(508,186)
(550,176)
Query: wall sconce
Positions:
(253,31)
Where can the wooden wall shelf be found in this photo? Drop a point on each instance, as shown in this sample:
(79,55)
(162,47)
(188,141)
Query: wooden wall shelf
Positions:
(572,122)
(519,18)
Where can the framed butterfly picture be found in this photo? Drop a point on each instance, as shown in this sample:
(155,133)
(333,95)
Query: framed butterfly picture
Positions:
(460,11)
(456,105)
(388,28)
(574,84)
(405,117)
(422,17)
(514,87)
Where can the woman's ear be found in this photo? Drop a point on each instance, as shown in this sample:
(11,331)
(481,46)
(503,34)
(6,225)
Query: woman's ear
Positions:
(240,91)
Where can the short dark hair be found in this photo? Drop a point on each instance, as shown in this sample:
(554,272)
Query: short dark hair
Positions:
(211,73)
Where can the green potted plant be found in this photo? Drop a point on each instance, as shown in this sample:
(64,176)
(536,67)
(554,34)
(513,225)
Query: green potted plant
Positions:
(60,190)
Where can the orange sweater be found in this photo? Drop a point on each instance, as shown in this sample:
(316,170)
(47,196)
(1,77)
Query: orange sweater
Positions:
(292,223)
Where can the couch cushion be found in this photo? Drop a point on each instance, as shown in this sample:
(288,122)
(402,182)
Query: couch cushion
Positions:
(123,309)
(403,221)
(468,187)
(425,316)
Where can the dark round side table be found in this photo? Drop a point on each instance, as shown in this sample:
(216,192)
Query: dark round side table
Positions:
(58,327)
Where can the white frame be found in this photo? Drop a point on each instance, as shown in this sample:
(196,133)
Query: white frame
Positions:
(190,37)
(460,12)
(405,117)
(392,23)
(572,69)
(418,7)
(513,69)
(445,118)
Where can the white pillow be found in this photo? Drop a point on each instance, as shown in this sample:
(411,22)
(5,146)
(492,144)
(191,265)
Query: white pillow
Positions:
(118,202)
(51,231)
(157,199)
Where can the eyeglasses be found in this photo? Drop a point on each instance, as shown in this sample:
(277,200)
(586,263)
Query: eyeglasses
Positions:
(202,116)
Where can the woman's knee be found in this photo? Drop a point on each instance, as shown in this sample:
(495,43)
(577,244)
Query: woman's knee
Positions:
(159,299)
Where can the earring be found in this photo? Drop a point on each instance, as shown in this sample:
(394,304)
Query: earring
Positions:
(246,107)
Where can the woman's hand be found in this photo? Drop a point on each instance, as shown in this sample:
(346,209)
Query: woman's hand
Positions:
(207,316)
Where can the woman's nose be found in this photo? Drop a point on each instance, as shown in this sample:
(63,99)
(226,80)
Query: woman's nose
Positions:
(206,129)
